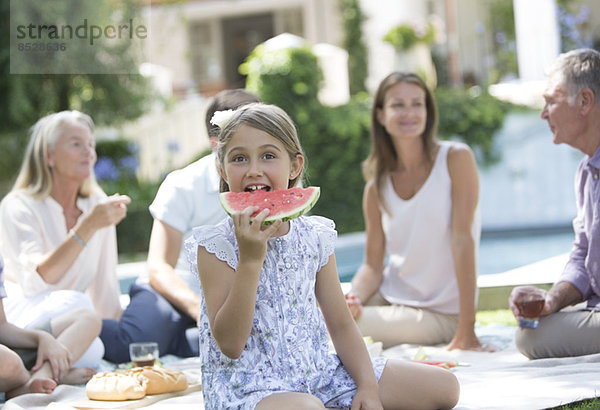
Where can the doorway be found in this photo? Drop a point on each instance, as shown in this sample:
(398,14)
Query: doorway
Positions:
(240,36)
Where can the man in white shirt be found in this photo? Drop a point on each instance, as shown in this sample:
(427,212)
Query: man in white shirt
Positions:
(165,307)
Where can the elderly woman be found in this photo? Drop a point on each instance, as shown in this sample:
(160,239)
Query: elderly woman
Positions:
(57,228)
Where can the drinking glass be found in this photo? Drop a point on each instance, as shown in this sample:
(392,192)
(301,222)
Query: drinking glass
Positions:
(530,305)
(143,353)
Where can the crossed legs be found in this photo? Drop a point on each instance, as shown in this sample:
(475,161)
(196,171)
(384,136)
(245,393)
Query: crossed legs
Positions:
(403,385)
(76,330)
(562,334)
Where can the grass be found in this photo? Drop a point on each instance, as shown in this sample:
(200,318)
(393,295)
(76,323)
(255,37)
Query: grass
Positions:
(590,404)
(502,316)
(132,257)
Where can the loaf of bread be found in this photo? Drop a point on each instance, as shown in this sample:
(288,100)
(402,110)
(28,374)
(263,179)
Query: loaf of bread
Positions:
(159,380)
(114,386)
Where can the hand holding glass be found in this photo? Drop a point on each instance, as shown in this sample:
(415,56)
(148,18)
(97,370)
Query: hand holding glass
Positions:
(530,304)
(143,353)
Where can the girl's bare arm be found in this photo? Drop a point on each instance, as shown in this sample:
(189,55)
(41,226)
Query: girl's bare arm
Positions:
(368,278)
(345,335)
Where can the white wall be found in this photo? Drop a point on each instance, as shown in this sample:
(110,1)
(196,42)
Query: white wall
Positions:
(381,16)
(473,36)
(168,41)
(538,44)
(182,125)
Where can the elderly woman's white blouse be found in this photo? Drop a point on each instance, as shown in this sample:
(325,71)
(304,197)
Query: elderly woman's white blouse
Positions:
(30,229)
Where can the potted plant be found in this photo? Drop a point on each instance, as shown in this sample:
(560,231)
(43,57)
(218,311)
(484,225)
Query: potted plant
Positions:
(412,43)
(405,36)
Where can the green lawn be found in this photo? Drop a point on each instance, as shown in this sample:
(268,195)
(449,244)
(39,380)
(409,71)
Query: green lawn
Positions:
(504,316)
(591,404)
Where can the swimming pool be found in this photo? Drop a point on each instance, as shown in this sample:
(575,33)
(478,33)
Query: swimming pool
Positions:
(497,253)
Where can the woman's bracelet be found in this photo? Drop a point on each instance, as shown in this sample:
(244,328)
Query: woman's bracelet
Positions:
(77,238)
(353,299)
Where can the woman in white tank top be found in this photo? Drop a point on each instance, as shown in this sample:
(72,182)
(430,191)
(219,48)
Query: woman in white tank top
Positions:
(420,208)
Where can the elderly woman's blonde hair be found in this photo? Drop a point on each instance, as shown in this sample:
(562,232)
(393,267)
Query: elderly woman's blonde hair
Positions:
(34,177)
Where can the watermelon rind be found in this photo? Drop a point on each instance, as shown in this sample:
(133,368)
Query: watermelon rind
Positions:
(315,193)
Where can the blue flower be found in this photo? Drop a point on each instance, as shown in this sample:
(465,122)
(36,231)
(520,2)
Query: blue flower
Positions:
(572,26)
(584,15)
(106,170)
(129,164)
(501,37)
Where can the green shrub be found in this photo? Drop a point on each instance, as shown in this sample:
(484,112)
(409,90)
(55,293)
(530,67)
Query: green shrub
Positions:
(289,78)
(352,20)
(473,117)
(133,232)
(335,139)
(115,170)
(12,147)
(405,36)
(335,156)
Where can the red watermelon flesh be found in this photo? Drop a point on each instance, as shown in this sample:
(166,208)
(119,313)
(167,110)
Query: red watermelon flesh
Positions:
(284,204)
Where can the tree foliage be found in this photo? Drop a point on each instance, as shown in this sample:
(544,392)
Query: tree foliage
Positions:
(353,19)
(501,22)
(107,98)
(405,36)
(335,139)
(115,171)
(473,117)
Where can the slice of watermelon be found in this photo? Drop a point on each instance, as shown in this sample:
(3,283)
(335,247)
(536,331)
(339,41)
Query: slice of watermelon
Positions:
(284,204)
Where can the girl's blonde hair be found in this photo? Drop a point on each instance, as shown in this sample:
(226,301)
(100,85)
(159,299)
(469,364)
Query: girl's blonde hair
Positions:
(270,119)
(383,157)
(34,177)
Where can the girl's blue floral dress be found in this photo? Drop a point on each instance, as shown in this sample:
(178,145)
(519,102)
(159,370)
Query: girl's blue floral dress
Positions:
(287,350)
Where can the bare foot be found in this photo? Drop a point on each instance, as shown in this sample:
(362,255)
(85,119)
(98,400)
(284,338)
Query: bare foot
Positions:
(79,375)
(33,386)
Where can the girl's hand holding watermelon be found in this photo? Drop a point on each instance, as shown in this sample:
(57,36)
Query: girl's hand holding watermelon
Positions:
(252,235)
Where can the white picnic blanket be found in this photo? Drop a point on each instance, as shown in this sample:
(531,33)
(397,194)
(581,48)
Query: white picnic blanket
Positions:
(504,379)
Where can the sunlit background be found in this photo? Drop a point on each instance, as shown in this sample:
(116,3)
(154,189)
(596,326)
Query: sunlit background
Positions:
(321,60)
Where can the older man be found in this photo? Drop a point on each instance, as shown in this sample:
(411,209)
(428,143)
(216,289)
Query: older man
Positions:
(572,110)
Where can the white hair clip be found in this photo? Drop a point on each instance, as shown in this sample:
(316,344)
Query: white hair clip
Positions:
(222,118)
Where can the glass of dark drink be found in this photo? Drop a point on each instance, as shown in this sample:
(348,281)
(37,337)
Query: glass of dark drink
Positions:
(143,353)
(530,305)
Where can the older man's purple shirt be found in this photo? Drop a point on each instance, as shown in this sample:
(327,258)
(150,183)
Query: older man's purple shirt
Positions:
(583,268)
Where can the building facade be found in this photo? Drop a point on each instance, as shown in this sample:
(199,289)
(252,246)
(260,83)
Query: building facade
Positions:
(202,42)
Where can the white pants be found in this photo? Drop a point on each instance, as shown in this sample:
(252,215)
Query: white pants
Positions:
(31,312)
(396,324)
(561,334)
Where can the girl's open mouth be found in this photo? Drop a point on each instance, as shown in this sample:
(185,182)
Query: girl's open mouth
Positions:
(258,187)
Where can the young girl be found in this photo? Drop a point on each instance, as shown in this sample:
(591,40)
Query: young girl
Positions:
(263,339)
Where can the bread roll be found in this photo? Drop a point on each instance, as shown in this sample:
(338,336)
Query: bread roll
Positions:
(159,380)
(114,386)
